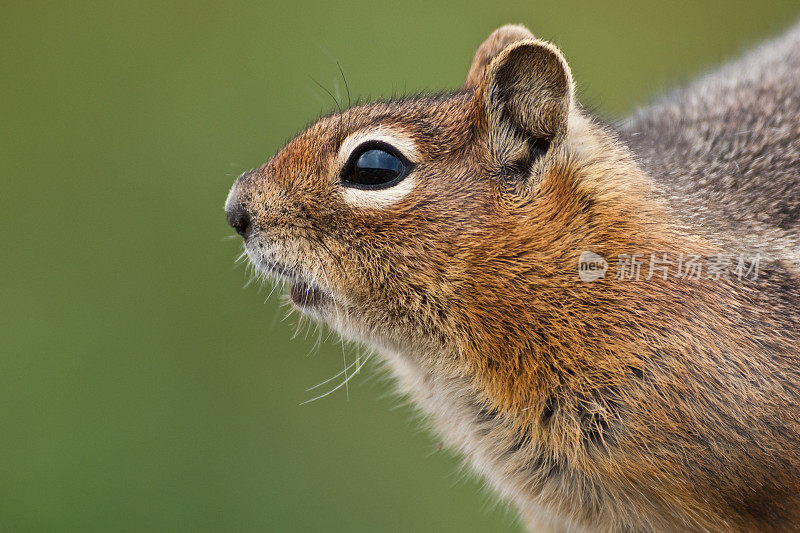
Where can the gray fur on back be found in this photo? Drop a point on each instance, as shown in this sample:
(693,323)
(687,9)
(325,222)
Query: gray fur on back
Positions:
(725,151)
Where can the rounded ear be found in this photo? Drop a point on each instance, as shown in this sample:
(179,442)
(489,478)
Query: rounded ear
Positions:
(491,47)
(527,91)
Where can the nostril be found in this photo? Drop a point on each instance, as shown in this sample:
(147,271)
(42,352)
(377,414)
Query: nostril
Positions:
(239,219)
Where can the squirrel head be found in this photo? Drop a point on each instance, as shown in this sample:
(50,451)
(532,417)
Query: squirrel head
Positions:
(413,221)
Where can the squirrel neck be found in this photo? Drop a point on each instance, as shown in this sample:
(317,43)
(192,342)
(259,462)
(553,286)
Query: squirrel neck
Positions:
(528,328)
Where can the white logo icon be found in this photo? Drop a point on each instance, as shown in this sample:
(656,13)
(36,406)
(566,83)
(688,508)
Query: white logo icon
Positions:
(591,266)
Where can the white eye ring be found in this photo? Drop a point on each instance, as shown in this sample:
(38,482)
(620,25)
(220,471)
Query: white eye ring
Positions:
(378,198)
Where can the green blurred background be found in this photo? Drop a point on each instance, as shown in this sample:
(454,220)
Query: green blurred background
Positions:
(141,388)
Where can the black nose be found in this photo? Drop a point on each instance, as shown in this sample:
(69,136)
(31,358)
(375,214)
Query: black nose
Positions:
(239,219)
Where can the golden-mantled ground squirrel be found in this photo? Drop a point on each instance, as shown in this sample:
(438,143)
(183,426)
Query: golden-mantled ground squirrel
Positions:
(604,321)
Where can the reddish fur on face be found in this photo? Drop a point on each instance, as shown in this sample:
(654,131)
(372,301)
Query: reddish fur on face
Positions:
(611,405)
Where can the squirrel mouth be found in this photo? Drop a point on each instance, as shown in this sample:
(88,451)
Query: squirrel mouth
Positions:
(306,295)
(303,294)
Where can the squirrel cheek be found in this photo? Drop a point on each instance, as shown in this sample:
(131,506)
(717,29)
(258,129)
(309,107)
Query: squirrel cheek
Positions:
(379,198)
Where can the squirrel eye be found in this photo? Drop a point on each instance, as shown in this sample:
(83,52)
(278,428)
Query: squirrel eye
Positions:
(375,166)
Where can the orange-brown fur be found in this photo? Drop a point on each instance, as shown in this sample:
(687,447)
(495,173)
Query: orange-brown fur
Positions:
(649,405)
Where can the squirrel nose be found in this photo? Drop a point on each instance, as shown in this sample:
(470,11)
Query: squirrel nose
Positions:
(239,219)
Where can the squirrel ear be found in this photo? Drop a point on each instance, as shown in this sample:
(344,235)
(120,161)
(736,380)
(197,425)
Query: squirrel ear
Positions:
(527,91)
(493,45)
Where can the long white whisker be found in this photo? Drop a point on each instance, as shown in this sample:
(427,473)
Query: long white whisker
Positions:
(340,385)
(351,365)
(338,319)
(346,377)
(254,260)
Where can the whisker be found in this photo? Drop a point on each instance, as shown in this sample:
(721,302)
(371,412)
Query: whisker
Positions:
(351,365)
(340,130)
(335,100)
(340,385)
(318,341)
(346,377)
(346,85)
(241,258)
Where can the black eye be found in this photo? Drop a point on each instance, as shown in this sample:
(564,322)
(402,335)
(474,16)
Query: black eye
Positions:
(375,165)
